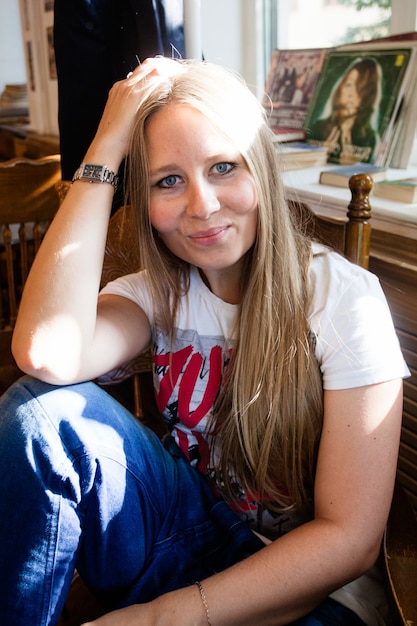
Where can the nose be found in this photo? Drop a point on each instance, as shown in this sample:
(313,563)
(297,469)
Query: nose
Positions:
(202,200)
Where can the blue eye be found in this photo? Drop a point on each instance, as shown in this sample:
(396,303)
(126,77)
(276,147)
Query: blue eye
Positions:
(223,168)
(169,181)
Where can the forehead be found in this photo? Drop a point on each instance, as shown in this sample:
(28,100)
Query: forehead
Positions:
(179,128)
(351,76)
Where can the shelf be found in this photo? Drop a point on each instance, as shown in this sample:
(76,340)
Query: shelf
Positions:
(387,216)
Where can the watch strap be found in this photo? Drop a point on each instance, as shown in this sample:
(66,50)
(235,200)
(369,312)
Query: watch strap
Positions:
(93,173)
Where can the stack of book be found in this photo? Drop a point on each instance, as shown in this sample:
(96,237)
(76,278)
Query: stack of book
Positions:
(297,155)
(14,97)
(339,176)
(14,105)
(358,101)
(400,190)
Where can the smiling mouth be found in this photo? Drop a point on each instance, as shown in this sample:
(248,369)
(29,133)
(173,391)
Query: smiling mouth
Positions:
(209,237)
(207,234)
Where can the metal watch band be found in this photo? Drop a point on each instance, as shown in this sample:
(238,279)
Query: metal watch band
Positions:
(93,173)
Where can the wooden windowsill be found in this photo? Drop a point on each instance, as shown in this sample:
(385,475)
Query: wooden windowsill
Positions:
(387,216)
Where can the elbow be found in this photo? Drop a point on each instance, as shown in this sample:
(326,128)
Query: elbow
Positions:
(366,557)
(20,348)
(47,357)
(32,364)
(373,553)
(355,551)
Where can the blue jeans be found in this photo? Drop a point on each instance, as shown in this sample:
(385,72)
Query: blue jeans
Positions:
(84,485)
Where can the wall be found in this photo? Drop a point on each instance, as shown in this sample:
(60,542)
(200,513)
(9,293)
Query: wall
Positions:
(404,16)
(234,40)
(231,33)
(222,37)
(232,36)
(12,66)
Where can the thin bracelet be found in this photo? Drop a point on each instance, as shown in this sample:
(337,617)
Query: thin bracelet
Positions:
(204,601)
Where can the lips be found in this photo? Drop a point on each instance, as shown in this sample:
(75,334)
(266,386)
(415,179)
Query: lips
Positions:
(212,232)
(210,236)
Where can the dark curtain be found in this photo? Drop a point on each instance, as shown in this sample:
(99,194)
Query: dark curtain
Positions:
(97,42)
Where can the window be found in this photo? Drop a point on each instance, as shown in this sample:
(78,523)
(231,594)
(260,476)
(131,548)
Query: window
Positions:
(325,23)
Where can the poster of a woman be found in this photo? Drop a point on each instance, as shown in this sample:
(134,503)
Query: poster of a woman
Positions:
(355,103)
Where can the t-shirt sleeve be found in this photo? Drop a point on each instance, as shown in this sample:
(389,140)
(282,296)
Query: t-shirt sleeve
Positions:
(356,342)
(135,287)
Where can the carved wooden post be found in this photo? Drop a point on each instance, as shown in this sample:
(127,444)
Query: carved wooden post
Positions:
(358,229)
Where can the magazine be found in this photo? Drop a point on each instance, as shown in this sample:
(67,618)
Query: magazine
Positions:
(397,147)
(356,103)
(291,80)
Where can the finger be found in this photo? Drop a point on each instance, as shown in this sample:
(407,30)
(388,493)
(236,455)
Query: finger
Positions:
(155,66)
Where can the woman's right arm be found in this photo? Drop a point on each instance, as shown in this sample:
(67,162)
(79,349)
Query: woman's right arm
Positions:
(62,334)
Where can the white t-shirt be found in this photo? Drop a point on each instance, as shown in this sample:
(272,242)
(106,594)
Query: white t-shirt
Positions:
(356,345)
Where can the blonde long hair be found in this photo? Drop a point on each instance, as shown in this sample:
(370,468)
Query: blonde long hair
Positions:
(269,409)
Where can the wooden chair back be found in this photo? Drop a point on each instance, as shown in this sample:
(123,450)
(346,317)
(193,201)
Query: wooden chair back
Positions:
(122,257)
(28,202)
(350,234)
(352,237)
(399,556)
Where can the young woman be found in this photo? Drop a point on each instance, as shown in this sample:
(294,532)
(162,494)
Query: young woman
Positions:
(276,367)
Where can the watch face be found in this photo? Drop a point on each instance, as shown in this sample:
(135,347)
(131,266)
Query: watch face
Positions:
(93,171)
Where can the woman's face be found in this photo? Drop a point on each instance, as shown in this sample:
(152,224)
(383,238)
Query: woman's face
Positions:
(349,99)
(203,200)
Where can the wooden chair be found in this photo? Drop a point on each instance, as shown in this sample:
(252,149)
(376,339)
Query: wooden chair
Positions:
(399,559)
(350,236)
(28,202)
(132,384)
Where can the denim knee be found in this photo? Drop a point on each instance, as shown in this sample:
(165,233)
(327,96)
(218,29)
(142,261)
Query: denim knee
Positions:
(75,467)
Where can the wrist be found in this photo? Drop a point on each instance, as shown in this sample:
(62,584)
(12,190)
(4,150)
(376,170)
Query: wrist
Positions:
(179,607)
(203,601)
(109,150)
(96,173)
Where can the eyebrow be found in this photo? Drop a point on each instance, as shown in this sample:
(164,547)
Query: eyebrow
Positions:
(160,171)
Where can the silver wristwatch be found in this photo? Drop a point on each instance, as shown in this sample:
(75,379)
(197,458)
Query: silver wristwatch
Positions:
(96,174)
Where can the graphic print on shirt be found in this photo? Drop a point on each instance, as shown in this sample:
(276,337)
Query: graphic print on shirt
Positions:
(186,387)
